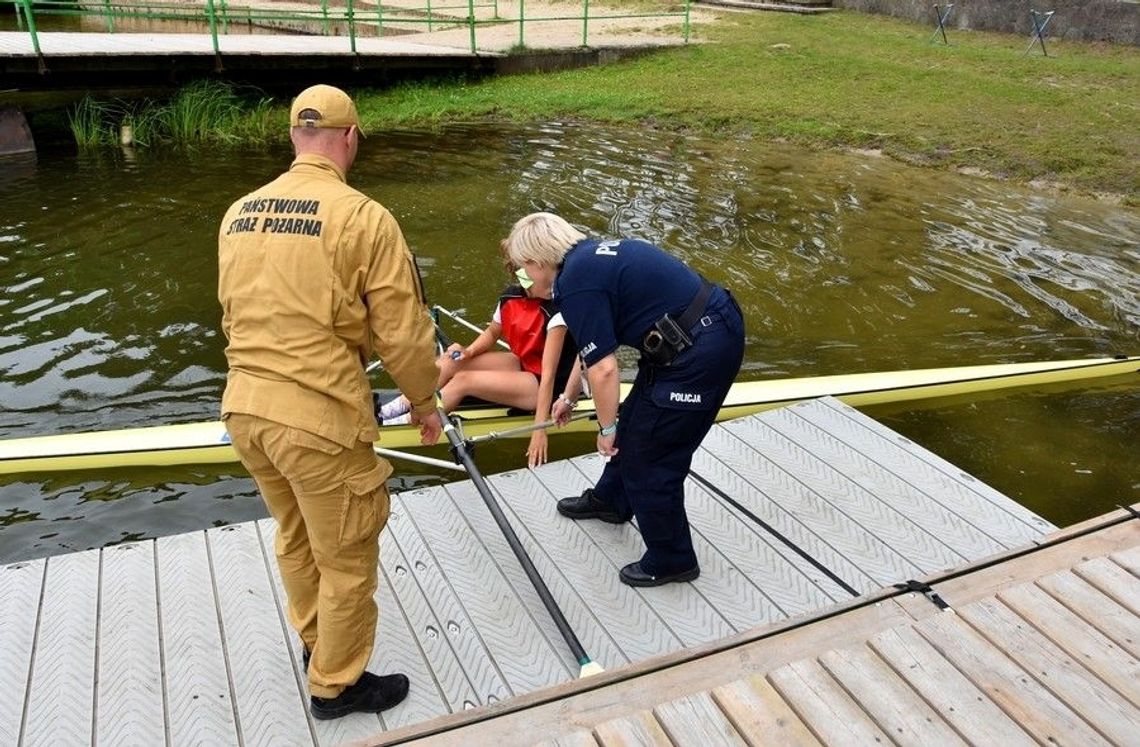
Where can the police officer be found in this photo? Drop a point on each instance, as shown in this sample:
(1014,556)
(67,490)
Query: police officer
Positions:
(691,337)
(315,277)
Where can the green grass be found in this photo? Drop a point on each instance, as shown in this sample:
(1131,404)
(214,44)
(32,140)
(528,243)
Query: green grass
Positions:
(846,80)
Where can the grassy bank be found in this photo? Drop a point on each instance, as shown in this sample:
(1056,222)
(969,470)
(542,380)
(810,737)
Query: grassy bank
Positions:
(842,80)
(847,80)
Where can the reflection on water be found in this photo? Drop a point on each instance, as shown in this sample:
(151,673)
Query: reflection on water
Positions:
(108,315)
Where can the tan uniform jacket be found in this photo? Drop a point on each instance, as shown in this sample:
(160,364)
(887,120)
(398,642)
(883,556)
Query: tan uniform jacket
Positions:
(314,277)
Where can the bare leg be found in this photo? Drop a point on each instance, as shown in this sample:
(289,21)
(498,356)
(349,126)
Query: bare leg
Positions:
(511,388)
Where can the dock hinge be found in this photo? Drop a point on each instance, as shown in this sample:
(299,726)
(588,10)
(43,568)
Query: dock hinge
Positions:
(927,591)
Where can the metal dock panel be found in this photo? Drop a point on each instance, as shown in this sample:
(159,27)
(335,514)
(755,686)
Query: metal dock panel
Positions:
(791,582)
(20,587)
(199,701)
(451,620)
(428,631)
(947,690)
(857,524)
(1108,712)
(842,441)
(1007,521)
(888,700)
(523,656)
(130,693)
(62,687)
(517,493)
(783,502)
(266,694)
(682,607)
(614,625)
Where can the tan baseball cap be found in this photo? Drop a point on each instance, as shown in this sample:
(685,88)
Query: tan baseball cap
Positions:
(323,106)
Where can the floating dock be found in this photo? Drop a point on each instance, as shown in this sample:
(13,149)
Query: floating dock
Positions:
(804,519)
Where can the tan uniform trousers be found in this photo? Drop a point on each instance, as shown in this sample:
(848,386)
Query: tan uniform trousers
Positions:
(330,504)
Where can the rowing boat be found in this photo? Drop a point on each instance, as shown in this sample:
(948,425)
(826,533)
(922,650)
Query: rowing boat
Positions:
(208,443)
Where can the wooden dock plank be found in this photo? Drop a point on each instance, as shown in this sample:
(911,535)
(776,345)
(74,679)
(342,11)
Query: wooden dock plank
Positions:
(1129,560)
(640,729)
(888,699)
(696,719)
(1111,664)
(972,714)
(1109,713)
(763,718)
(62,688)
(1098,610)
(1036,709)
(1113,581)
(129,694)
(200,707)
(20,587)
(268,700)
(823,705)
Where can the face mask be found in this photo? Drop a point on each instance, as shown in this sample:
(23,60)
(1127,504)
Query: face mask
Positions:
(523,278)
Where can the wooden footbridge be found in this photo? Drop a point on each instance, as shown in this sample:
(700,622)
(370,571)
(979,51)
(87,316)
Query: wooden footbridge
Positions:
(855,589)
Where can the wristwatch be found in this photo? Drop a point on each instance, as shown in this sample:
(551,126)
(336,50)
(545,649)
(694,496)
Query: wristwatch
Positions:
(608,430)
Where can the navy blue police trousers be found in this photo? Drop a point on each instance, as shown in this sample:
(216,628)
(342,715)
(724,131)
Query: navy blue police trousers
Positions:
(660,425)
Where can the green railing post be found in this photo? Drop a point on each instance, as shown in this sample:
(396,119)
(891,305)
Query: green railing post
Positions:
(522,21)
(325,15)
(211,16)
(585,21)
(225,18)
(110,16)
(429,15)
(351,28)
(31,19)
(19,13)
(686,21)
(379,19)
(471,22)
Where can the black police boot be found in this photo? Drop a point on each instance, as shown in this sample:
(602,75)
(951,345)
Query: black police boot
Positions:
(633,575)
(588,506)
(371,694)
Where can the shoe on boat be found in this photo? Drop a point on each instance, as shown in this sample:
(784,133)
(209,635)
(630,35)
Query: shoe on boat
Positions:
(588,506)
(371,694)
(633,575)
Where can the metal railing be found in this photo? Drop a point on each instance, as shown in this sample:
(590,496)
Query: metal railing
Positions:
(352,20)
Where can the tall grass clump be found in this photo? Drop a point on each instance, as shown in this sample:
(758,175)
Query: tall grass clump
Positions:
(88,121)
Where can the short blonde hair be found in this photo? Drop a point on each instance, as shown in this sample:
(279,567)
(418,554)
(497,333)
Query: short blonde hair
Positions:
(543,238)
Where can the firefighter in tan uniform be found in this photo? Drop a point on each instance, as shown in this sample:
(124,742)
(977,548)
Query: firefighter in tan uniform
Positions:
(315,278)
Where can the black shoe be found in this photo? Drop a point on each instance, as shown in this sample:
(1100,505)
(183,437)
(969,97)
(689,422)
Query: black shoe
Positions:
(371,694)
(587,506)
(632,575)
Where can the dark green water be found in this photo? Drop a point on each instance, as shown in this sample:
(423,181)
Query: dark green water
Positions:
(108,315)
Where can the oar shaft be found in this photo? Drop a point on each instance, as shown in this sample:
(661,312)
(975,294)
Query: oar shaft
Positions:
(393,454)
(527,428)
(560,621)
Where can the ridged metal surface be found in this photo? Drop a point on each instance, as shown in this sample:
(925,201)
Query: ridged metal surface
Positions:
(187,636)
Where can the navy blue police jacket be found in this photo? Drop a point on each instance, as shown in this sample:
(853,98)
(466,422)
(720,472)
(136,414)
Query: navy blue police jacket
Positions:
(611,292)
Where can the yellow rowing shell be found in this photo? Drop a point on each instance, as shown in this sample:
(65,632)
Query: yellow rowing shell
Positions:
(208,443)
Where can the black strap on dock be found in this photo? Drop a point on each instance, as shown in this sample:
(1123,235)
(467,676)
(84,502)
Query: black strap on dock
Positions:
(926,590)
(777,534)
(1132,510)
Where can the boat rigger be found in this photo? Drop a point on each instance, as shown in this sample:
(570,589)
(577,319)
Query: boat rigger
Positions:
(208,442)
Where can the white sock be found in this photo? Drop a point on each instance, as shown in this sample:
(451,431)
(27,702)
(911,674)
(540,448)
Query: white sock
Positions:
(395,408)
(401,419)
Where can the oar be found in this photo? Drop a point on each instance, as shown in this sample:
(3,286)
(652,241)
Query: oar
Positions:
(455,317)
(463,456)
(492,435)
(394,454)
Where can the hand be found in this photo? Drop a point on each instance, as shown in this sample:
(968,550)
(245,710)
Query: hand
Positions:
(536,452)
(606,445)
(455,351)
(560,412)
(430,427)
